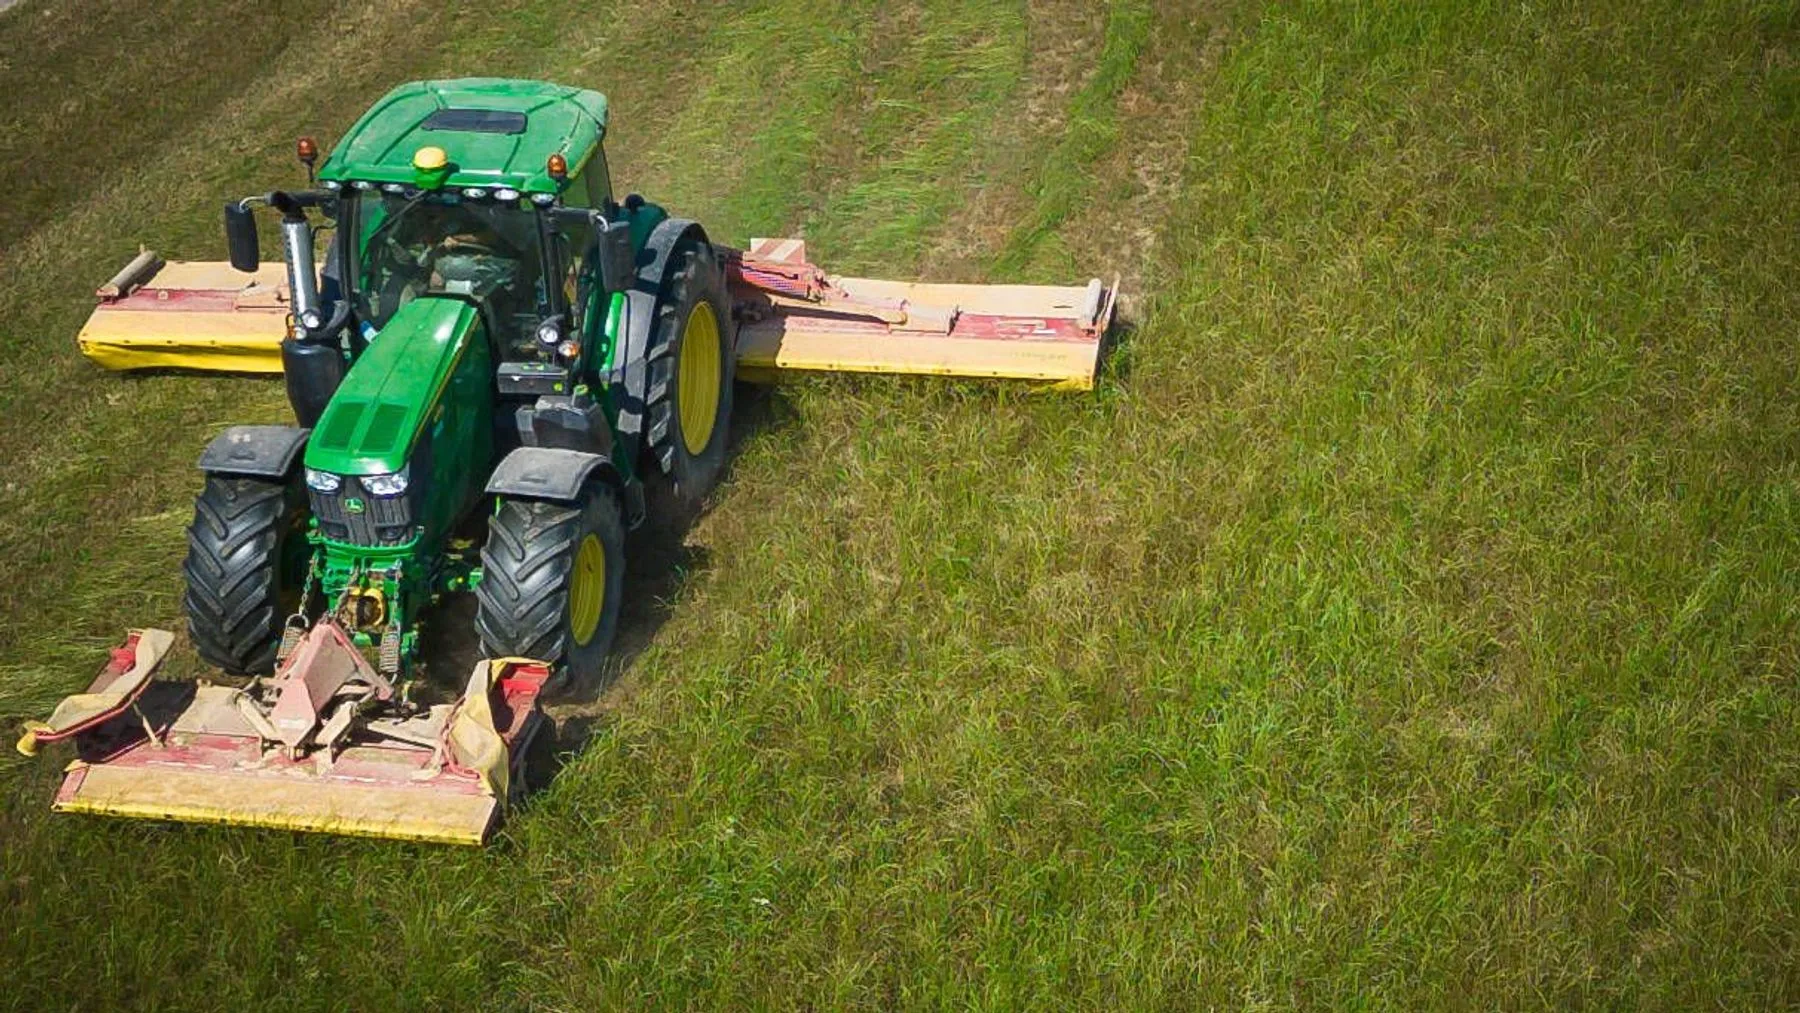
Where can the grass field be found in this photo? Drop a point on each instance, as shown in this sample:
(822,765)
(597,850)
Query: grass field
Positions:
(1409,620)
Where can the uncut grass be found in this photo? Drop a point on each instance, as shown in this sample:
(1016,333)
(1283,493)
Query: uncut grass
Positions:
(1407,622)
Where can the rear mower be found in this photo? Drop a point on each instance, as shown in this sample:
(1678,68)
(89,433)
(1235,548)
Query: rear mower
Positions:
(493,350)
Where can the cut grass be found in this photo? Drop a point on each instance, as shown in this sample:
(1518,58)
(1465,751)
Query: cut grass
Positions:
(1408,621)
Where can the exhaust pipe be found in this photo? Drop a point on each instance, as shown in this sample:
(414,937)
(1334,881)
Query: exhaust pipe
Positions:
(311,360)
(303,272)
(297,250)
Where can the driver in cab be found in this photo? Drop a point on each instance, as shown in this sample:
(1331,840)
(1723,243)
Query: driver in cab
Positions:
(460,249)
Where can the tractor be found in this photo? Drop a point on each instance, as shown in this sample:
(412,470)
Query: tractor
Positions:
(489,361)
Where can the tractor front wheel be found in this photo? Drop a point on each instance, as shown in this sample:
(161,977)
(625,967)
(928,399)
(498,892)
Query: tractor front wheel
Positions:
(245,567)
(553,576)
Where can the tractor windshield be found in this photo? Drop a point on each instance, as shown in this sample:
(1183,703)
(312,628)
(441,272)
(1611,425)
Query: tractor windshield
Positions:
(443,243)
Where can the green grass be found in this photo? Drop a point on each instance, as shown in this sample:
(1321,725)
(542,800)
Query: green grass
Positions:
(1408,621)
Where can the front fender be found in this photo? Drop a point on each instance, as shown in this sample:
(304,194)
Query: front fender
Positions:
(256,451)
(550,473)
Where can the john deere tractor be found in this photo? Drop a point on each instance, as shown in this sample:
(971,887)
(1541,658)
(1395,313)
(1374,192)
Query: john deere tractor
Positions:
(488,363)
(493,332)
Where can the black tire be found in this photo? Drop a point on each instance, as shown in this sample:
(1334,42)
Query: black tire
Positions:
(696,278)
(525,607)
(244,569)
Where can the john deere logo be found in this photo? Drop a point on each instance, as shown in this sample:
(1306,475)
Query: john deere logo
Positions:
(353,505)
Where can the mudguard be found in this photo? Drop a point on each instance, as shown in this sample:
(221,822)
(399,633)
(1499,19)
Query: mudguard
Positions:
(549,473)
(256,451)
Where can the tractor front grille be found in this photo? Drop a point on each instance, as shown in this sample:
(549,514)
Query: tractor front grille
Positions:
(380,521)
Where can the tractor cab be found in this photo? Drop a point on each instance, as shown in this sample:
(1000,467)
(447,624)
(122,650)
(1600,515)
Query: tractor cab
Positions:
(489,192)
(455,188)
(449,244)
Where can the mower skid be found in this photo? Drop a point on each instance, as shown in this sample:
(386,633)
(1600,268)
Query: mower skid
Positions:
(795,317)
(195,757)
(189,315)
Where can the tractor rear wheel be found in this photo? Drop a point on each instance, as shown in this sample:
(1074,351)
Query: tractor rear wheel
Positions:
(691,362)
(552,580)
(245,567)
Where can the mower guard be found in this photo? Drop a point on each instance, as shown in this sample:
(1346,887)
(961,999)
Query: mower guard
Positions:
(114,691)
(186,752)
(793,317)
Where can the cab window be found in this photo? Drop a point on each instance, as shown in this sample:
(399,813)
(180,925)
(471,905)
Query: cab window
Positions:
(573,240)
(599,182)
(592,187)
(442,243)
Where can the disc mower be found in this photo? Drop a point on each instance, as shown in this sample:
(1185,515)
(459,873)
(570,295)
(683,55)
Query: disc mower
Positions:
(488,362)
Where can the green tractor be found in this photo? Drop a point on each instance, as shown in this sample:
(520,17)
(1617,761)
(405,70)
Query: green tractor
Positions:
(494,334)
(488,365)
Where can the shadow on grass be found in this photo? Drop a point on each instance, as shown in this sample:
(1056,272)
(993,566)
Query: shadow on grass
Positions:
(1116,345)
(659,564)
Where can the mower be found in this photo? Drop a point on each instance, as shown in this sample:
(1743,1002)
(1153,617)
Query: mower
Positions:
(490,362)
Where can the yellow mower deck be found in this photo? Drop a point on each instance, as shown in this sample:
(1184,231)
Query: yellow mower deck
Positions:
(188,752)
(189,315)
(273,801)
(794,342)
(793,318)
(796,317)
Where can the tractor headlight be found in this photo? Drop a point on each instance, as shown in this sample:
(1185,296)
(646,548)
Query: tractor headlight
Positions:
(391,484)
(506,193)
(323,481)
(549,332)
(475,193)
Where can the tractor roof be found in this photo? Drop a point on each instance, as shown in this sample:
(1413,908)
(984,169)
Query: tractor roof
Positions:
(496,131)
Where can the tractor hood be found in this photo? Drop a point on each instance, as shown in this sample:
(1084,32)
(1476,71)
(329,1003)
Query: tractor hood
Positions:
(393,389)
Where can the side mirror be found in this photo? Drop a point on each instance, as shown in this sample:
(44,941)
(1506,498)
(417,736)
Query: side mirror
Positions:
(618,261)
(240,237)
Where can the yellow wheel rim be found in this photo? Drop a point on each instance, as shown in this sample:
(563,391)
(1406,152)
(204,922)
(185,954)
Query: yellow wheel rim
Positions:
(697,388)
(587,590)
